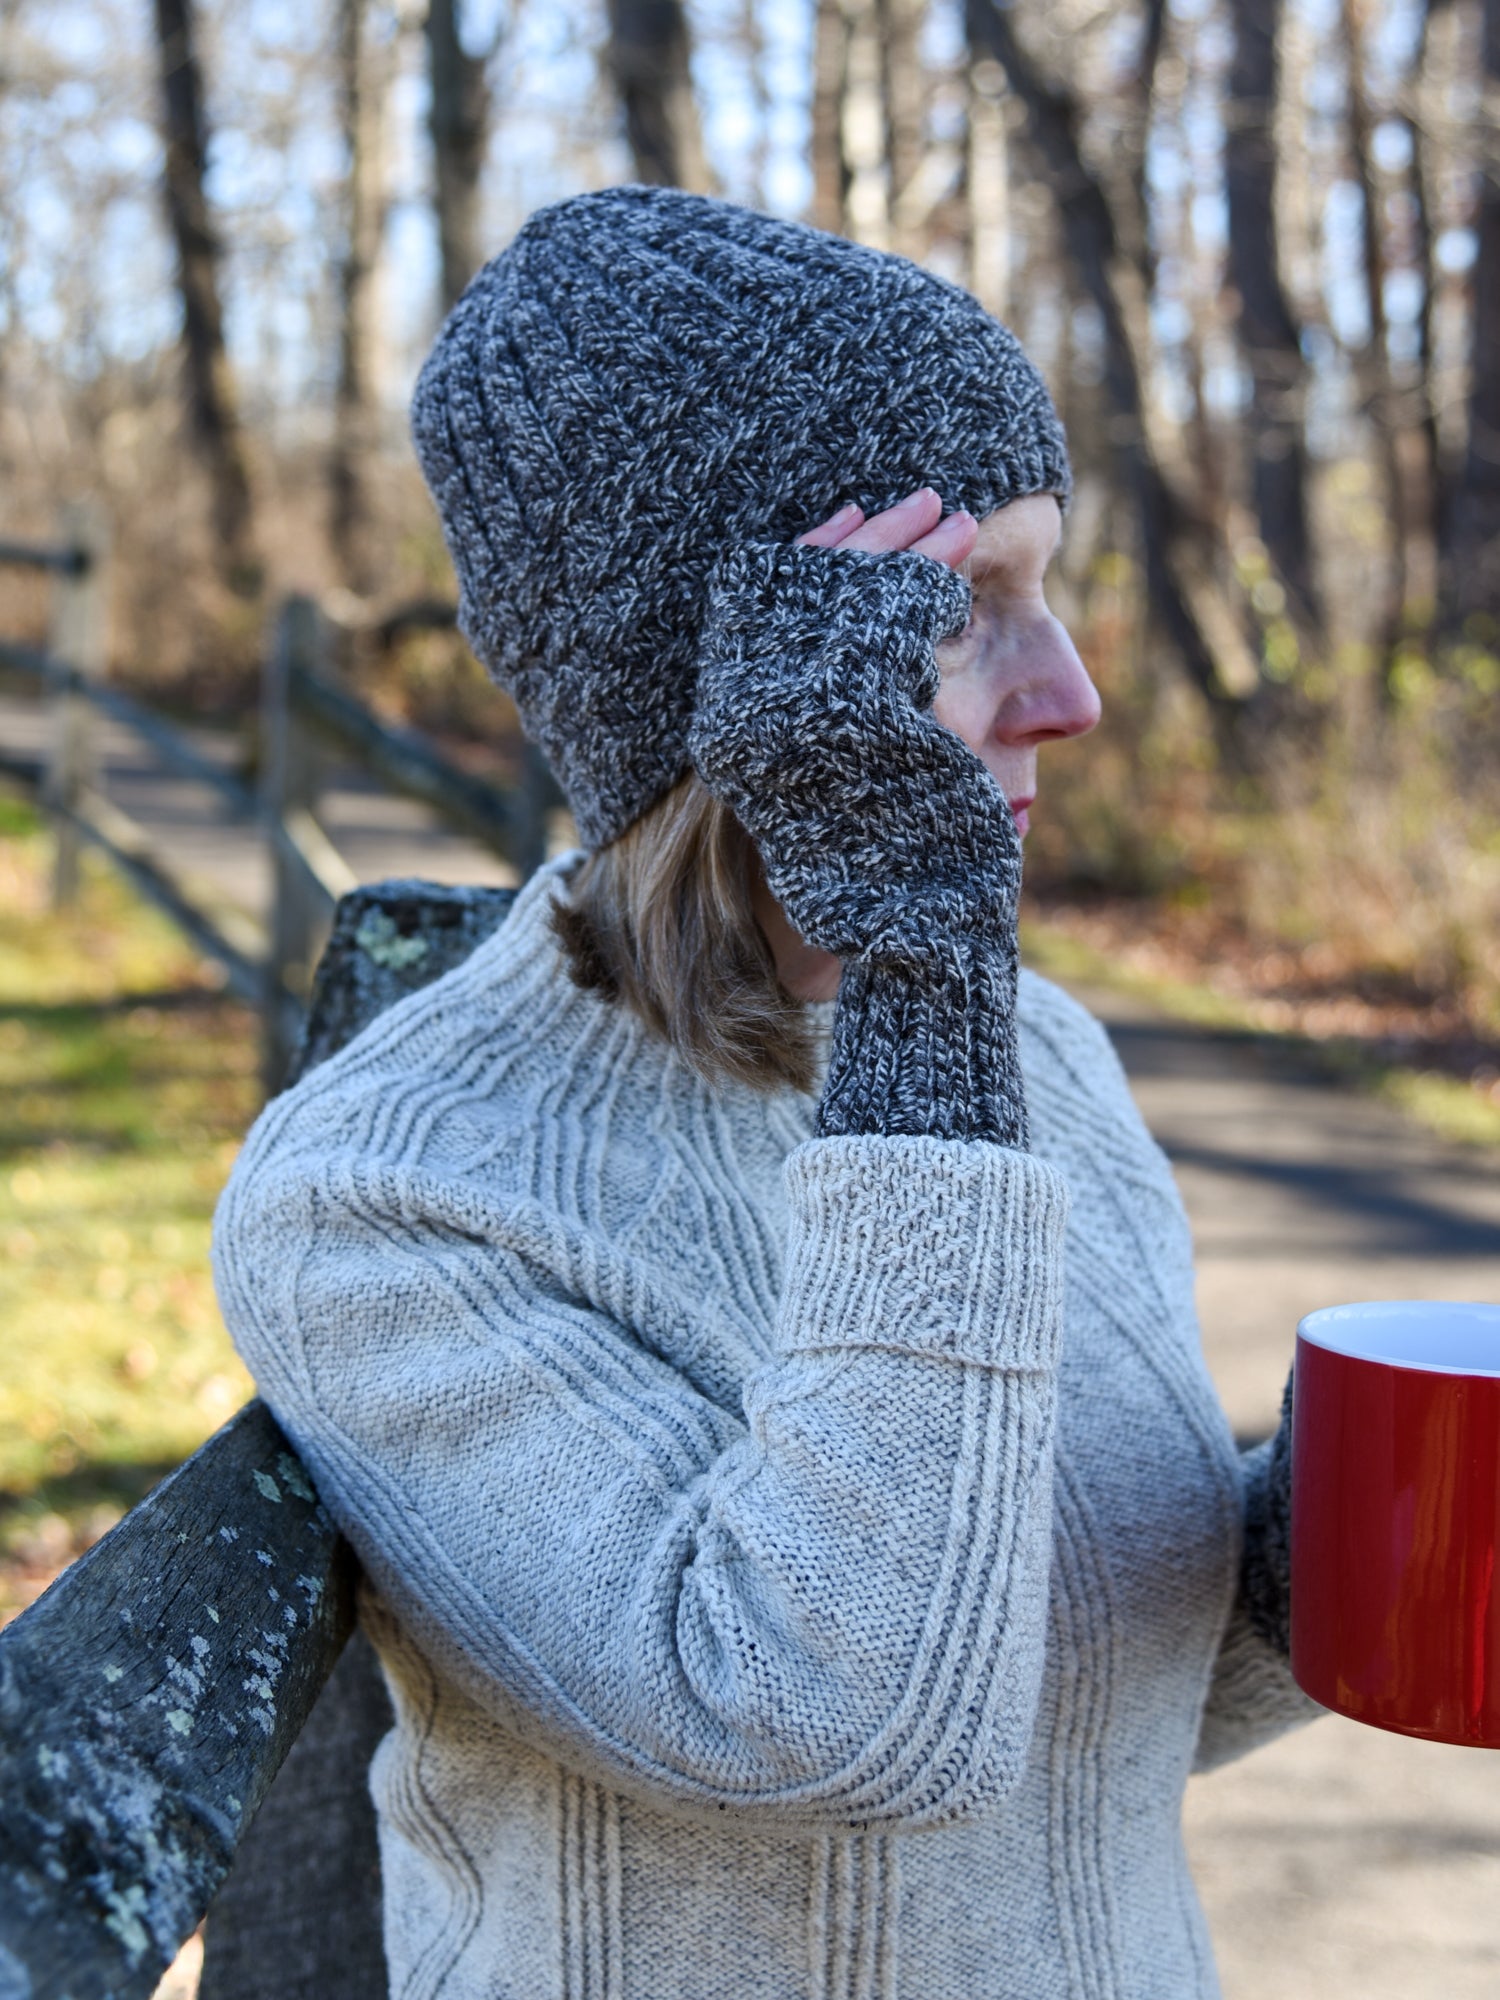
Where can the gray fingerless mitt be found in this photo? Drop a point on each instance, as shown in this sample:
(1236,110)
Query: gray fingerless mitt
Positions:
(1266,1570)
(882,835)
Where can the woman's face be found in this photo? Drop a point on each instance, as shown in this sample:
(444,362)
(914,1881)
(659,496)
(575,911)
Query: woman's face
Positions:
(1012,679)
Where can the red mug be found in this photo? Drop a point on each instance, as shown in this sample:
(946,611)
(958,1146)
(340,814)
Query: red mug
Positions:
(1396,1517)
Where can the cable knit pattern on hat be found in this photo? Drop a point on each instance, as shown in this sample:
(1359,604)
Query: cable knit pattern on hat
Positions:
(644,378)
(802,1566)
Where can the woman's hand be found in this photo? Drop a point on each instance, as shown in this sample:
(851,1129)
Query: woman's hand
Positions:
(882,835)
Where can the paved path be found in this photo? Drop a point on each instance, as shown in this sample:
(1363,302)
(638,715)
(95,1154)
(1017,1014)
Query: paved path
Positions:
(377,833)
(1340,1861)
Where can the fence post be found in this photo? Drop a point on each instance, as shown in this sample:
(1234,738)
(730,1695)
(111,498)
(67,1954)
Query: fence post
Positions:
(79,642)
(289,786)
(532,800)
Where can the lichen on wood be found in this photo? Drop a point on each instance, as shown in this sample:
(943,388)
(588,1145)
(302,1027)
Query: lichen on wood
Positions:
(146,1702)
(389,939)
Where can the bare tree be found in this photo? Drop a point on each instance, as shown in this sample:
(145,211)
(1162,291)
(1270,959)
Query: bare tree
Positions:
(362,90)
(1178,553)
(753,41)
(459,122)
(830,168)
(1378,389)
(904,89)
(1268,333)
(987,185)
(864,135)
(649,57)
(1424,145)
(1473,568)
(212,403)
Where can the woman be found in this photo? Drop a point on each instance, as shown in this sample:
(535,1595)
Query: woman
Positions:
(746,1332)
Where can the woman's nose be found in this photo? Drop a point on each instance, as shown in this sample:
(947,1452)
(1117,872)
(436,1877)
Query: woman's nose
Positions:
(1055,697)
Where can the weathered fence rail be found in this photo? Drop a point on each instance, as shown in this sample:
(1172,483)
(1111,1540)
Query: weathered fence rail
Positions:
(147,1701)
(305,712)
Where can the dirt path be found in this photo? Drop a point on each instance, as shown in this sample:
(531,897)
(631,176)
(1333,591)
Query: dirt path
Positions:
(1340,1861)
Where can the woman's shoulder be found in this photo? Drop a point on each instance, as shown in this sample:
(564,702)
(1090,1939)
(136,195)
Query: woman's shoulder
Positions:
(1060,1031)
(1084,1116)
(456,1070)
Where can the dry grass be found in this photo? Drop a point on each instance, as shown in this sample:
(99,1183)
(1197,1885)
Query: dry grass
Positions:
(1349,894)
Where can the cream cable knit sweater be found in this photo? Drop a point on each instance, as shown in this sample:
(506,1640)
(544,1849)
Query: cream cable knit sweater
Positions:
(804,1568)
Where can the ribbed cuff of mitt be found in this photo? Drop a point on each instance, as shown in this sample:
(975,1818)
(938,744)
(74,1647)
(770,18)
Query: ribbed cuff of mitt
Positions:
(1266,1573)
(928,1051)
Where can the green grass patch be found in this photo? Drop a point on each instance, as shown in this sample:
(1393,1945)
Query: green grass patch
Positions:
(126,1083)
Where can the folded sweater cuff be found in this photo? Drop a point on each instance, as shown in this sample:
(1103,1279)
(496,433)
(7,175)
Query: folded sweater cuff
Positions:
(925,1246)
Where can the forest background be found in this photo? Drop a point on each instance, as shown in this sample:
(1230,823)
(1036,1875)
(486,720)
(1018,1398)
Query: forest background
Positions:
(1254,244)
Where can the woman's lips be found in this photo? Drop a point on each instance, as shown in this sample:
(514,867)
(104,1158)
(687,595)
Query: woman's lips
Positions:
(1022,810)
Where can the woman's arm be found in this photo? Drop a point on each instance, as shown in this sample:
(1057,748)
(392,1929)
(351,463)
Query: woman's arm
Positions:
(829,1611)
(883,836)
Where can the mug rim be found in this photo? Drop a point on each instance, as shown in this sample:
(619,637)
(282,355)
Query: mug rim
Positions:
(1401,1347)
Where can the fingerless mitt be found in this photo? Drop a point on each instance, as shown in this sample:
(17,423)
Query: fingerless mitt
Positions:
(1266,1569)
(882,835)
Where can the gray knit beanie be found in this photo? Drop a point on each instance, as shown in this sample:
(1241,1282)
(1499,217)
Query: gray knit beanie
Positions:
(645,379)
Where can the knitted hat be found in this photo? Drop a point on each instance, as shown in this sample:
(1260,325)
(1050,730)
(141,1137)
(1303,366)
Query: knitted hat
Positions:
(645,378)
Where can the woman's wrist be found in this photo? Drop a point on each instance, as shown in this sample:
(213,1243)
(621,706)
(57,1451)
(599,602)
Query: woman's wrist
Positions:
(929,1051)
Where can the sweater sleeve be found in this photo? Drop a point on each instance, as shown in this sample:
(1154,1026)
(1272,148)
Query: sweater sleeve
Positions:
(827,1609)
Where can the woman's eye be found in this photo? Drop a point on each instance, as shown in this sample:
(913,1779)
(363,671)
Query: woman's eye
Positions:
(954,648)
(955,652)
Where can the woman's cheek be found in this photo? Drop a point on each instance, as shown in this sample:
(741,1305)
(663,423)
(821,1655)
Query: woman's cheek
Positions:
(962,707)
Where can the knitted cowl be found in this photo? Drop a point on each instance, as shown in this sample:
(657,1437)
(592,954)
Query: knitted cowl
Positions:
(644,380)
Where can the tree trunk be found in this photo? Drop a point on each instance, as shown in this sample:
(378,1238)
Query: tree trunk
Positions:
(649,57)
(1268,333)
(1475,561)
(1179,568)
(830,169)
(867,204)
(987,187)
(211,398)
(459,121)
(356,415)
(1378,390)
(753,40)
(1425,146)
(903,84)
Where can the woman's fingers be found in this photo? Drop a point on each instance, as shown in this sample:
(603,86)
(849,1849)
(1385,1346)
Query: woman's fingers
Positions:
(951,541)
(899,526)
(915,523)
(835,530)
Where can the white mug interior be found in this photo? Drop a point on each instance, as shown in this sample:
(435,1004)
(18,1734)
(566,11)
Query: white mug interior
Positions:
(1433,1334)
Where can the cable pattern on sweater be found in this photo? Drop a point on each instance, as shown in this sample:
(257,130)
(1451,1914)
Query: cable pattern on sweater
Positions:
(853,1905)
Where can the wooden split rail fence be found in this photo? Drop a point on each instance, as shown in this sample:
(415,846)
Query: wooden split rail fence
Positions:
(150,1698)
(306,711)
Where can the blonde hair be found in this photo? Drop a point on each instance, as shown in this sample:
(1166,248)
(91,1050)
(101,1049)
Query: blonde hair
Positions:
(661,921)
